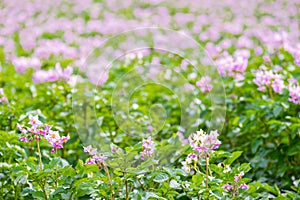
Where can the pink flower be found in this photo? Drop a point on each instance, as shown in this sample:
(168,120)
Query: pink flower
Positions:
(204,143)
(23,63)
(227,187)
(147,147)
(233,66)
(23,139)
(265,79)
(90,150)
(3,98)
(239,176)
(100,158)
(204,84)
(63,73)
(47,127)
(294,93)
(53,74)
(90,161)
(21,128)
(278,85)
(244,186)
(191,158)
(34,121)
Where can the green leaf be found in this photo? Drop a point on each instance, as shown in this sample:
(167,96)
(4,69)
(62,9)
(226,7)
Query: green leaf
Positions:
(153,195)
(21,179)
(38,195)
(79,165)
(233,157)
(277,110)
(174,184)
(197,178)
(161,178)
(255,144)
(293,150)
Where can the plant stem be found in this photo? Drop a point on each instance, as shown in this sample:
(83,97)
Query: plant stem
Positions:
(141,184)
(109,181)
(207,163)
(41,165)
(43,189)
(270,92)
(39,152)
(126,185)
(56,178)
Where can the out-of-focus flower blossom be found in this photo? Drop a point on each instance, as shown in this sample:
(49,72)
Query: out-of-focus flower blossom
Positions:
(89,149)
(96,158)
(297,58)
(23,139)
(191,158)
(34,121)
(268,79)
(63,73)
(52,75)
(244,186)
(90,161)
(233,66)
(204,84)
(238,177)
(181,138)
(294,91)
(3,98)
(147,147)
(227,186)
(23,63)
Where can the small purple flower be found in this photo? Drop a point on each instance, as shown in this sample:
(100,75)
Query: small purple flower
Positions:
(34,121)
(215,146)
(89,149)
(100,159)
(227,187)
(47,127)
(204,84)
(239,176)
(147,147)
(244,186)
(294,93)
(201,149)
(90,161)
(21,128)
(23,139)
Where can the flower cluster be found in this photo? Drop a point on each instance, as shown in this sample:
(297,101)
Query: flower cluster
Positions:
(204,84)
(269,79)
(233,66)
(3,98)
(203,144)
(95,158)
(38,130)
(23,63)
(147,147)
(53,74)
(294,91)
(233,187)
